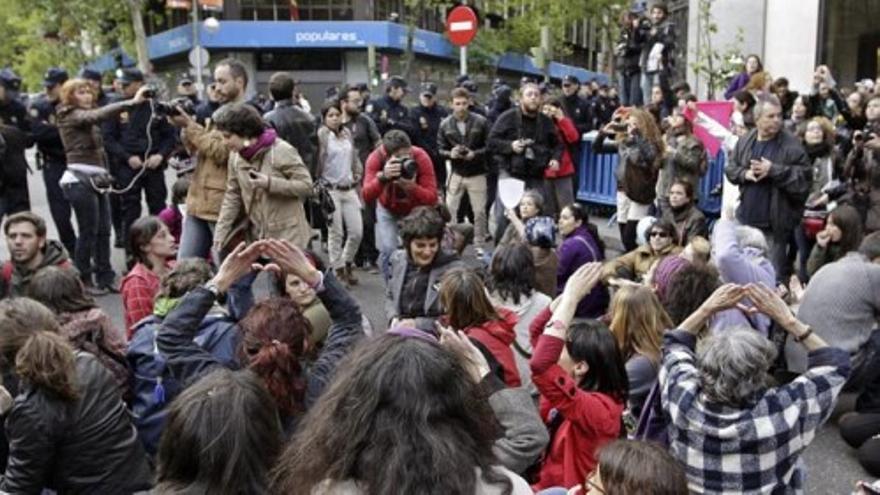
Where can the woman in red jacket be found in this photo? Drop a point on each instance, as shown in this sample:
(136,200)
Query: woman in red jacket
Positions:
(558,176)
(468,308)
(581,376)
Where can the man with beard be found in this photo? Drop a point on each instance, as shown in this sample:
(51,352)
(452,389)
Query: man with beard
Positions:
(773,173)
(523,142)
(29,252)
(366,138)
(15,127)
(685,159)
(208,181)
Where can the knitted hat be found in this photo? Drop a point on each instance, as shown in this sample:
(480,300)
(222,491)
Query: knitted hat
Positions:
(663,273)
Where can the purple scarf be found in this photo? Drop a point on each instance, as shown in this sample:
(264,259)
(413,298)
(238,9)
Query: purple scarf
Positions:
(264,141)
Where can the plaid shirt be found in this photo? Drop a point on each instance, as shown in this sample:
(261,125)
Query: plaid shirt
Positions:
(138,288)
(755,449)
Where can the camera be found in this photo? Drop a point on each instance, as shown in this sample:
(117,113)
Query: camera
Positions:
(460,151)
(408,168)
(170,108)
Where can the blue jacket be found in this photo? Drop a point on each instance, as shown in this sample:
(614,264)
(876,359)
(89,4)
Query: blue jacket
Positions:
(155,386)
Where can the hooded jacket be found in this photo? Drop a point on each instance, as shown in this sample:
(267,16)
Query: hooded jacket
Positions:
(17,277)
(497,336)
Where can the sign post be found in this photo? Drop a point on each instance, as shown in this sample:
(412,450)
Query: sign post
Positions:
(461,27)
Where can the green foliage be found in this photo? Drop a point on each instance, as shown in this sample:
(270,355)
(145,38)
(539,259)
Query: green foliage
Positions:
(37,34)
(717,65)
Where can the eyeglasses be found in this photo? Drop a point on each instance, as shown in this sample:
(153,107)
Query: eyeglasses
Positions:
(658,234)
(594,487)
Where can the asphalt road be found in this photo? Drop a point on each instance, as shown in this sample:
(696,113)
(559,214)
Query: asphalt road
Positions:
(831,464)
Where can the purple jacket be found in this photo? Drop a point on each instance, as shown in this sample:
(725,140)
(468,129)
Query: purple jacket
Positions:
(739,82)
(739,266)
(578,248)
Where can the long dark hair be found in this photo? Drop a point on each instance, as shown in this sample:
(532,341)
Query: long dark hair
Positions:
(403,416)
(222,436)
(848,220)
(580,213)
(60,289)
(591,341)
(140,234)
(512,273)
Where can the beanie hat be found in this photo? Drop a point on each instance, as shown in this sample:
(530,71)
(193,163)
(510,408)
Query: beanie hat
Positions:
(663,273)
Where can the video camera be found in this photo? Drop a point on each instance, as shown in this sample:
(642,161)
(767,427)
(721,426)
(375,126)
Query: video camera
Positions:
(169,108)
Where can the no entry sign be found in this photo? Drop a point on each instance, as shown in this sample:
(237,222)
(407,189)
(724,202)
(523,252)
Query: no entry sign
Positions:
(461,25)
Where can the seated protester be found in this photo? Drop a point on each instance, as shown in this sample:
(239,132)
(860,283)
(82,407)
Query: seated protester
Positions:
(580,374)
(83,323)
(29,251)
(408,414)
(541,240)
(469,310)
(581,244)
(698,250)
(683,213)
(223,436)
(171,216)
(155,387)
(635,264)
(842,234)
(68,430)
(151,248)
(741,255)
(861,430)
(638,322)
(631,467)
(273,351)
(842,302)
(530,206)
(511,286)
(411,297)
(733,432)
(686,159)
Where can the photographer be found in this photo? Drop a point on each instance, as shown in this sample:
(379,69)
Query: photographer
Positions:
(862,167)
(462,141)
(523,142)
(86,180)
(139,138)
(658,55)
(400,176)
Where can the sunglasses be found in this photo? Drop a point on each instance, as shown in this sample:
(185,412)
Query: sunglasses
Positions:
(658,234)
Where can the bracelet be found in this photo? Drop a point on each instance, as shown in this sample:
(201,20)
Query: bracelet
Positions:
(805,335)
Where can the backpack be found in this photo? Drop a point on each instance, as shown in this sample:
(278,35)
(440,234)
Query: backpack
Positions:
(154,385)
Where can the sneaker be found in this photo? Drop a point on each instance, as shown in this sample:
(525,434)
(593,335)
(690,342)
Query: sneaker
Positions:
(93,291)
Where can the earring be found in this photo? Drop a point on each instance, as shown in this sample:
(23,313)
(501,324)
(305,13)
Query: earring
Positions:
(246,143)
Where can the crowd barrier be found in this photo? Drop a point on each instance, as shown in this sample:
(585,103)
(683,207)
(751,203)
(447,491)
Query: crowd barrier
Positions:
(598,185)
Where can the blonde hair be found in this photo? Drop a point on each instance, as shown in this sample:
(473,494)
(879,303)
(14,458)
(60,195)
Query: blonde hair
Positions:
(647,125)
(638,321)
(69,89)
(701,249)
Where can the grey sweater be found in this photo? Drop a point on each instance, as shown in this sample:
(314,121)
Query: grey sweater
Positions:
(841,304)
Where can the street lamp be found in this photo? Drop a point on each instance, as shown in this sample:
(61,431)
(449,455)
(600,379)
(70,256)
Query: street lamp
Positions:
(212,25)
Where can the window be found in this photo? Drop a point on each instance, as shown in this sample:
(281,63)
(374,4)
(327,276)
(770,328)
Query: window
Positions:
(301,60)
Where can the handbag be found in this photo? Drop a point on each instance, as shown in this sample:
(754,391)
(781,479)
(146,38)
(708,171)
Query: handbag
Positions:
(322,200)
(653,423)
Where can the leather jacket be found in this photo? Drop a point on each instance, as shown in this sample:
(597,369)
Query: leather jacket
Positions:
(297,127)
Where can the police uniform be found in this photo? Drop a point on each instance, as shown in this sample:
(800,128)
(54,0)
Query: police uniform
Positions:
(50,154)
(390,114)
(15,127)
(425,122)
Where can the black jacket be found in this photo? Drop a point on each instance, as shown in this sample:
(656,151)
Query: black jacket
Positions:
(791,179)
(15,128)
(45,130)
(580,111)
(85,446)
(629,47)
(389,114)
(297,127)
(475,138)
(513,125)
(425,123)
(365,135)
(126,135)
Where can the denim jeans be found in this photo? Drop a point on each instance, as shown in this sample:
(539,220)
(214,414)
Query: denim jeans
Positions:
(387,238)
(631,90)
(92,254)
(196,238)
(59,207)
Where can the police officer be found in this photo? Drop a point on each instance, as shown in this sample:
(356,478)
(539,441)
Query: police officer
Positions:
(389,112)
(575,107)
(139,141)
(50,153)
(94,78)
(425,121)
(15,127)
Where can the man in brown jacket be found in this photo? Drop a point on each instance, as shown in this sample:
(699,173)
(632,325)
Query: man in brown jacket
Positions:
(208,181)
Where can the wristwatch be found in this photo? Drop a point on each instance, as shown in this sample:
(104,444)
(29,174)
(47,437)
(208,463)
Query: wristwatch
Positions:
(212,288)
(802,337)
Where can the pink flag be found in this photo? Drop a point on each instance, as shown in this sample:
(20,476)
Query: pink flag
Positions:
(720,112)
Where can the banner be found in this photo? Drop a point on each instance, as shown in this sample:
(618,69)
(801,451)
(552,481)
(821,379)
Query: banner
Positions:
(211,4)
(711,121)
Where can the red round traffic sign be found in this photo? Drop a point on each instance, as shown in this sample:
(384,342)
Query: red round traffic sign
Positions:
(461,25)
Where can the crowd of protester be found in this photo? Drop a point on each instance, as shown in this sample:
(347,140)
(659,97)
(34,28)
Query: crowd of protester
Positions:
(517,352)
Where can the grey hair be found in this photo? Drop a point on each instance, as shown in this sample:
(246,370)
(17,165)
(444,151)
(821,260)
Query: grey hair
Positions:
(751,237)
(762,101)
(733,366)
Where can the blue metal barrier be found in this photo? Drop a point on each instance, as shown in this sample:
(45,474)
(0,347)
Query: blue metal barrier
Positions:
(598,185)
